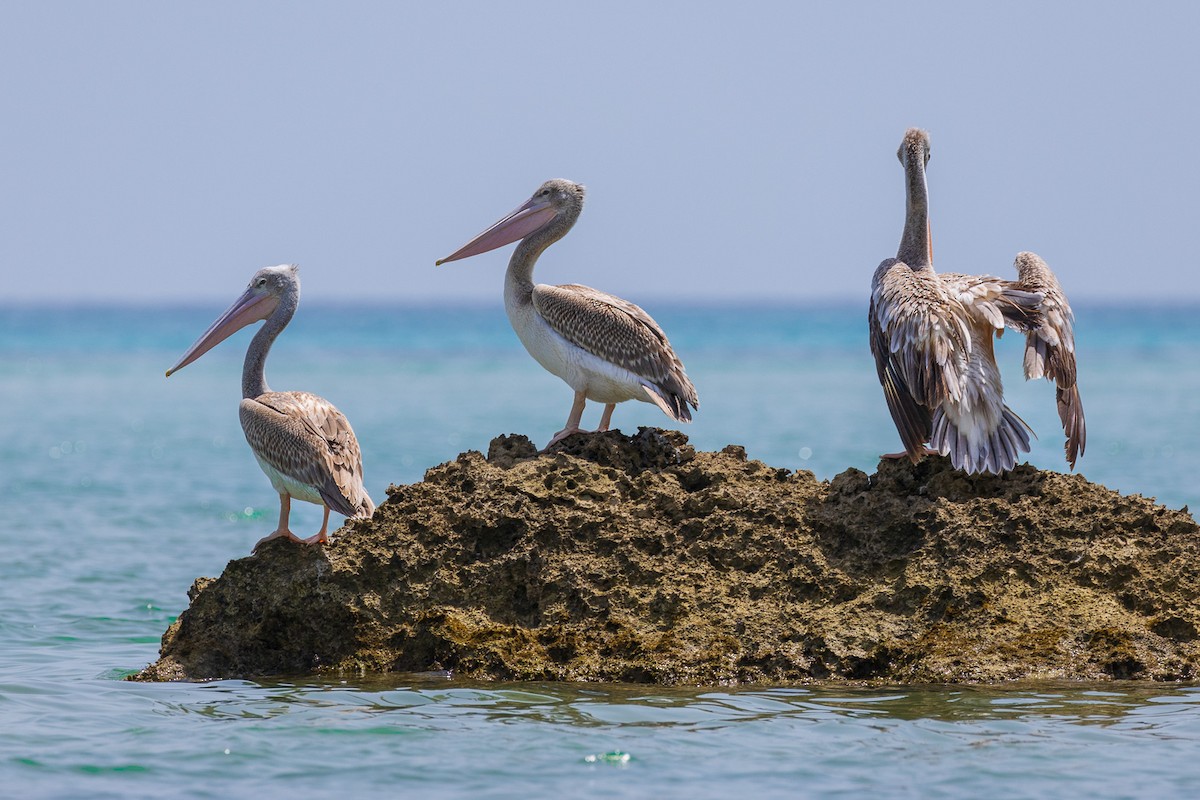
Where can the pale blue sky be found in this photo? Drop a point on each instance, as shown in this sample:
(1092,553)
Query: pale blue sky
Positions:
(732,151)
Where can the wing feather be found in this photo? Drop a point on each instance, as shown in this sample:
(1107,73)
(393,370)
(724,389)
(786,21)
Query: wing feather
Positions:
(1050,349)
(306,438)
(622,334)
(999,302)
(919,337)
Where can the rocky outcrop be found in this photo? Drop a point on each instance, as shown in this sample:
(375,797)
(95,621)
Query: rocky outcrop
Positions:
(617,558)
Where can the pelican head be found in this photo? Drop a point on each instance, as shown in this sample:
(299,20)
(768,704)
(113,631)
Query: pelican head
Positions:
(914,149)
(557,198)
(269,287)
(563,194)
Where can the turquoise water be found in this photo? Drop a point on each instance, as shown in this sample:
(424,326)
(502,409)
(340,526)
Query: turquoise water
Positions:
(121,486)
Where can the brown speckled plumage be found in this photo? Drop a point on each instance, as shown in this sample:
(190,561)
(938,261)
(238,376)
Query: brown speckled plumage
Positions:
(621,333)
(306,438)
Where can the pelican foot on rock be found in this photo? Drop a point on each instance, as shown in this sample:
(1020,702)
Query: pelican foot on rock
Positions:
(904,454)
(285,534)
(563,434)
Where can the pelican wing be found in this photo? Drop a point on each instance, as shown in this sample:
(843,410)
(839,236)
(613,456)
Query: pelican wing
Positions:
(1050,349)
(622,334)
(306,438)
(997,302)
(921,340)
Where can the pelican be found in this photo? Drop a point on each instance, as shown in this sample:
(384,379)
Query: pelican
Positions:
(931,335)
(607,349)
(301,441)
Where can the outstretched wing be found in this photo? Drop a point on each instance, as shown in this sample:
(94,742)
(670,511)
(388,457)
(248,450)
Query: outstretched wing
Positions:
(1050,349)
(621,333)
(306,438)
(920,340)
(995,301)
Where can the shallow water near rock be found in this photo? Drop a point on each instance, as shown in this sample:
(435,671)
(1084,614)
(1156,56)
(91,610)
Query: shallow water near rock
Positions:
(121,487)
(427,736)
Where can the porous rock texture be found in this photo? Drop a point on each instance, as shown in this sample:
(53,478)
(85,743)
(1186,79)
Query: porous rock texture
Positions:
(618,558)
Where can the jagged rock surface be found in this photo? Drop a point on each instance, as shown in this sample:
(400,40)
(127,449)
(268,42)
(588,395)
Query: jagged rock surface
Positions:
(617,558)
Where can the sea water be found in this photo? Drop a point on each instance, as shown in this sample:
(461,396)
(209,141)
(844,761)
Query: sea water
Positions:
(120,487)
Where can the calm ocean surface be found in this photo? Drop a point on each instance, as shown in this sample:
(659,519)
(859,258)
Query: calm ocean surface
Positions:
(120,487)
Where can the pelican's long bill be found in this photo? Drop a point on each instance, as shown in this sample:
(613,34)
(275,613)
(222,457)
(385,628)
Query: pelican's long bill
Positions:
(535,213)
(252,306)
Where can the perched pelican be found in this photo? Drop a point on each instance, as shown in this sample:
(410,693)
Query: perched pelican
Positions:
(303,443)
(931,335)
(605,348)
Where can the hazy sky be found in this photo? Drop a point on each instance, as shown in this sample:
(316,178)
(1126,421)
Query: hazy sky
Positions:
(731,151)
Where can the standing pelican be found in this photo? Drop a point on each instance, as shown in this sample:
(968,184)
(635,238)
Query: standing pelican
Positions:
(931,335)
(605,348)
(304,445)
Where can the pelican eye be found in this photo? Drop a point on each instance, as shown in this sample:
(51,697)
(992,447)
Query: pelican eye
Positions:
(261,283)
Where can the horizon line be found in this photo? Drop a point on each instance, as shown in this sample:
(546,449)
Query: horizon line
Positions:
(749,302)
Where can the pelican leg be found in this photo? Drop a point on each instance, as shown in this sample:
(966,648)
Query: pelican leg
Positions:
(285,510)
(572,420)
(321,536)
(904,454)
(606,417)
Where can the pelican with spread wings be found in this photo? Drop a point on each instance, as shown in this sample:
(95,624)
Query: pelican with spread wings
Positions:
(932,337)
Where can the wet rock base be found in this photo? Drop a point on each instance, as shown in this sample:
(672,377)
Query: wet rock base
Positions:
(619,558)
